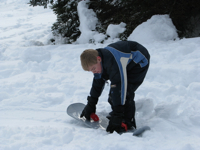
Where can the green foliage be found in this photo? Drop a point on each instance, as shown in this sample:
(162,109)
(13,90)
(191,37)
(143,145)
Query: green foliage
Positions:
(67,24)
(184,14)
(186,17)
(39,3)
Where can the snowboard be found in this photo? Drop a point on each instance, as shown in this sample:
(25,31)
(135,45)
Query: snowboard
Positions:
(74,110)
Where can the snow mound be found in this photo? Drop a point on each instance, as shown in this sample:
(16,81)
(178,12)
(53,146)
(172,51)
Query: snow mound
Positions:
(157,28)
(114,30)
(88,21)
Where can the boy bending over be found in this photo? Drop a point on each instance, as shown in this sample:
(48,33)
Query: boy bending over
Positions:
(125,64)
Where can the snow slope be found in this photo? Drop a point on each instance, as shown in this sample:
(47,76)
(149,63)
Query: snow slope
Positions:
(37,83)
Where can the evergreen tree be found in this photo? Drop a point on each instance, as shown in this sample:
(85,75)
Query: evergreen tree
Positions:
(184,14)
(39,3)
(67,24)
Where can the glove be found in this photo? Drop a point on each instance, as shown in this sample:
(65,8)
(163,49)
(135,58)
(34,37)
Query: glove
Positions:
(90,107)
(116,120)
(115,123)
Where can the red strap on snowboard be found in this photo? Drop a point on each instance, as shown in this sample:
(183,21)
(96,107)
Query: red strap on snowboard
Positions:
(94,117)
(124,126)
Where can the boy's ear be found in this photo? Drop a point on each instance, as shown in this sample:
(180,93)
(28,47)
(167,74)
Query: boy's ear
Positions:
(98,59)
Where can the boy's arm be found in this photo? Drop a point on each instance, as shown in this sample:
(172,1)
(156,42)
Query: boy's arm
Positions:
(97,87)
(96,90)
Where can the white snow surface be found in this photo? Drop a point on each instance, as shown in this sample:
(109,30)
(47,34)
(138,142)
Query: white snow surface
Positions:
(38,81)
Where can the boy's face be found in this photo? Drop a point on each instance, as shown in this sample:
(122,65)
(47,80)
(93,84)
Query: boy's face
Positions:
(96,68)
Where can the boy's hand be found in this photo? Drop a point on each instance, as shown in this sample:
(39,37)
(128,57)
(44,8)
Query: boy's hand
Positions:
(89,108)
(87,111)
(116,120)
(115,123)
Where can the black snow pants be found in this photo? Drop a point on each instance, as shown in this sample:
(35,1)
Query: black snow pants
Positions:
(129,107)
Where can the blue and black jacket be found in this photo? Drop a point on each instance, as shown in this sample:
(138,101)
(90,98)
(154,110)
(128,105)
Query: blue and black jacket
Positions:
(123,63)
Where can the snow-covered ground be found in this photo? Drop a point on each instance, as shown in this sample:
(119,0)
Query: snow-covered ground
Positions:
(38,81)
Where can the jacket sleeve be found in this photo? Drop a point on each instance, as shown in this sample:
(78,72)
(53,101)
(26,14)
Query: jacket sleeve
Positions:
(97,87)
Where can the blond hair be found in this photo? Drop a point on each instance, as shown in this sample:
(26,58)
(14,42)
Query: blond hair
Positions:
(88,58)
